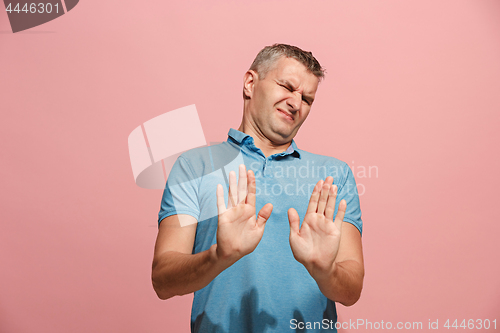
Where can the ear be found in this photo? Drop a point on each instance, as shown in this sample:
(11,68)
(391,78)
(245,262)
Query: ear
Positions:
(249,80)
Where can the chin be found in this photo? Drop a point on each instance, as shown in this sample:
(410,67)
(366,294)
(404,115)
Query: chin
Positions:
(280,132)
(283,136)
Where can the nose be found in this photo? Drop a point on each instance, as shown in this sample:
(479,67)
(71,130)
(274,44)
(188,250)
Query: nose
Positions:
(294,101)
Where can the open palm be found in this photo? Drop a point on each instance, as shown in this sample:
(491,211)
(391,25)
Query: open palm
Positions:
(239,228)
(315,244)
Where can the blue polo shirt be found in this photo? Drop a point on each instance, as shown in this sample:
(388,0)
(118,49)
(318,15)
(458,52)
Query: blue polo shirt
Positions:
(267,290)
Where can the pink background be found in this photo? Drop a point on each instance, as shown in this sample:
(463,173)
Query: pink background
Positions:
(412,88)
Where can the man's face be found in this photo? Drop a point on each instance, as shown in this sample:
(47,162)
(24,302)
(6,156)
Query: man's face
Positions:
(281,102)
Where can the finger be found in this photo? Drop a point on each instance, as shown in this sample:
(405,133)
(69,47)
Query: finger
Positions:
(251,188)
(340,214)
(264,214)
(330,206)
(323,198)
(242,184)
(221,206)
(233,191)
(313,201)
(294,220)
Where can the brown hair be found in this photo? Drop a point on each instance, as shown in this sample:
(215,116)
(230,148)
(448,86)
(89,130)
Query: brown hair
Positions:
(267,57)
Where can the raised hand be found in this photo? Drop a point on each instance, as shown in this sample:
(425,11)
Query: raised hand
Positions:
(239,229)
(315,244)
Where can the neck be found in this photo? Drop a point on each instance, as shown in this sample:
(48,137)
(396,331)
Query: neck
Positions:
(267,146)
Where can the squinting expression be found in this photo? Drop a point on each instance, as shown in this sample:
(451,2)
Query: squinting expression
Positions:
(281,102)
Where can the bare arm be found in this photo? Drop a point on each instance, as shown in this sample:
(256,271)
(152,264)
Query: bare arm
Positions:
(344,282)
(176,271)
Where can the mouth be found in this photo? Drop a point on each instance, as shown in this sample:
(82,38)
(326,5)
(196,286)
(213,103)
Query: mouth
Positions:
(286,115)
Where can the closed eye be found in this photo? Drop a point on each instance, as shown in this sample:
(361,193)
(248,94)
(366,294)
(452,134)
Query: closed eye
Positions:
(292,89)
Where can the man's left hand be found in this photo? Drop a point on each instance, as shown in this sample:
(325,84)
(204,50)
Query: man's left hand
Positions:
(315,244)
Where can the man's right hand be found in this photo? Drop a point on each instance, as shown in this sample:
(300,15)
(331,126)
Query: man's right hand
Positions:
(176,271)
(239,229)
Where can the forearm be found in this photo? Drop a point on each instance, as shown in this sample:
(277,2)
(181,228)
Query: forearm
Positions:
(176,273)
(343,283)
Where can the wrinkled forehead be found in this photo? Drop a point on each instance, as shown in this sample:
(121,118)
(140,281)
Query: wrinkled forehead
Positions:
(295,73)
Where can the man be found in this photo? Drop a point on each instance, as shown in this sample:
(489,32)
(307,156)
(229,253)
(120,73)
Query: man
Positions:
(280,269)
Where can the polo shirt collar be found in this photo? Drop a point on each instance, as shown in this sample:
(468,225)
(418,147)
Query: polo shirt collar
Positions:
(245,140)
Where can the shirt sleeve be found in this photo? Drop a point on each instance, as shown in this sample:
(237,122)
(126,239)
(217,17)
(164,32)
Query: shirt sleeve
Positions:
(348,191)
(180,195)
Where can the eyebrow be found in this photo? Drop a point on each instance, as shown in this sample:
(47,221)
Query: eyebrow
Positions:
(288,84)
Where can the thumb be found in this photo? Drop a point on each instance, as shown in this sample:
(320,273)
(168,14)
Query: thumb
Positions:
(294,220)
(264,214)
